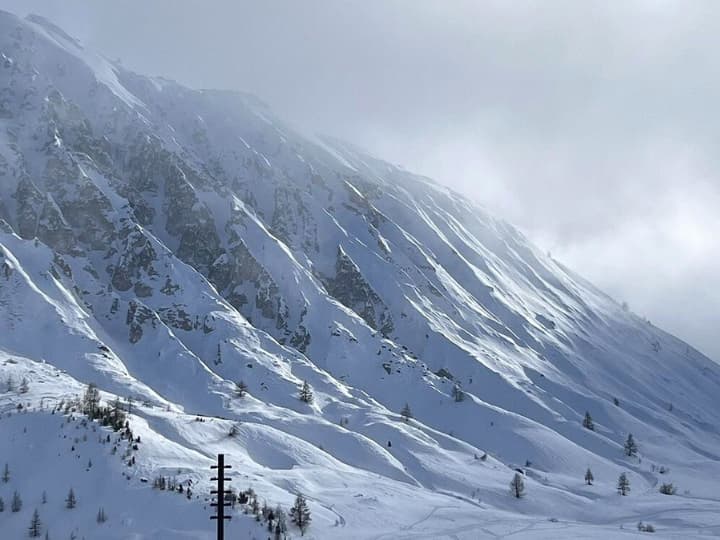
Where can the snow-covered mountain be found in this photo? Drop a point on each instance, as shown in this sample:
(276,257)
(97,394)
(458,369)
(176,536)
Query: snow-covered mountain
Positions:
(165,243)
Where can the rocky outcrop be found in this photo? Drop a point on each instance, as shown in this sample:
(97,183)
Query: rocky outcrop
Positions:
(135,263)
(292,221)
(352,290)
(137,316)
(249,288)
(39,217)
(84,206)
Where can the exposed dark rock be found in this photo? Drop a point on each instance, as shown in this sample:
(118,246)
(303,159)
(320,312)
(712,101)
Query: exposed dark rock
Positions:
(136,317)
(350,289)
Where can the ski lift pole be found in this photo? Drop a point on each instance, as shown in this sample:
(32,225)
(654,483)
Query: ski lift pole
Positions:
(220,495)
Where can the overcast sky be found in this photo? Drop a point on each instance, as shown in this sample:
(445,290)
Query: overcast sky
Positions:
(592,126)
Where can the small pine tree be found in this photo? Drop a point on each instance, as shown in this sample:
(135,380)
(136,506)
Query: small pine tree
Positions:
(588,422)
(630,446)
(10,384)
(457,393)
(406,413)
(6,474)
(589,478)
(280,520)
(116,417)
(24,386)
(623,486)
(234,430)
(218,356)
(2,505)
(35,525)
(70,501)
(44,497)
(667,489)
(306,394)
(517,486)
(16,503)
(101,516)
(300,514)
(616,401)
(255,506)
(240,389)
(91,401)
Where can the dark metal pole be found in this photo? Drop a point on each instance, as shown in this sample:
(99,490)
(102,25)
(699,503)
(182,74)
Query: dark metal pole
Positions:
(220,492)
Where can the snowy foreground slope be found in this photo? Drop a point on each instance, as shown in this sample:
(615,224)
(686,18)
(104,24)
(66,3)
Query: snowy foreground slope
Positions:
(166,243)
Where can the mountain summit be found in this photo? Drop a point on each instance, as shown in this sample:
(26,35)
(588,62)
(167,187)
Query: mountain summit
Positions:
(165,244)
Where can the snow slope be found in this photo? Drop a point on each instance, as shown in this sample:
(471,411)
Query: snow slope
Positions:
(165,243)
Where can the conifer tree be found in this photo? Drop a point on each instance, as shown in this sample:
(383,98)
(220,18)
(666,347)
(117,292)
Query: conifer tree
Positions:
(115,417)
(240,389)
(588,422)
(24,386)
(300,514)
(517,486)
(623,486)
(2,505)
(630,446)
(35,525)
(44,497)
(406,413)
(101,517)
(16,503)
(589,478)
(70,501)
(306,394)
(6,474)
(10,384)
(91,400)
(280,520)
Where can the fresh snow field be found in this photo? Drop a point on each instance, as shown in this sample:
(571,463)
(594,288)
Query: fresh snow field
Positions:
(165,244)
